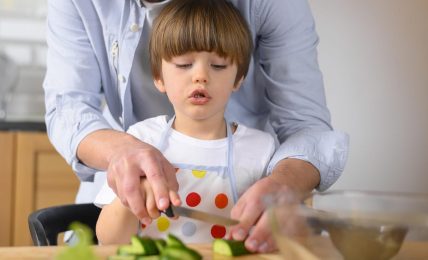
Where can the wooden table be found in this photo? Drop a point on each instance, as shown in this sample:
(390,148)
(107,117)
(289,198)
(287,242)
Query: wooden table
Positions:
(15,253)
(409,251)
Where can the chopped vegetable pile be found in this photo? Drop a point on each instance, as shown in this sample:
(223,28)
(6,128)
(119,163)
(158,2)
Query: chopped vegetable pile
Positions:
(145,248)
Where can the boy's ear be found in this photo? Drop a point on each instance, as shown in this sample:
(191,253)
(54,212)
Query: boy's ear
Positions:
(238,84)
(159,85)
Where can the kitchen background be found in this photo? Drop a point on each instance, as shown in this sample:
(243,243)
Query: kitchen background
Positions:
(374,56)
(22,59)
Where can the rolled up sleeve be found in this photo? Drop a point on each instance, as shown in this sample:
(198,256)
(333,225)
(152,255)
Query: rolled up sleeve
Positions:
(327,151)
(72,85)
(295,91)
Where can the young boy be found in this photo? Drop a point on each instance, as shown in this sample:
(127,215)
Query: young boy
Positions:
(200,51)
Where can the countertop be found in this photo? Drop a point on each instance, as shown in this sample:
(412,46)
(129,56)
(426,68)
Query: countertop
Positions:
(416,250)
(22,126)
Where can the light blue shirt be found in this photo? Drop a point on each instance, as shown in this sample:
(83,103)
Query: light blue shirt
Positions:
(96,48)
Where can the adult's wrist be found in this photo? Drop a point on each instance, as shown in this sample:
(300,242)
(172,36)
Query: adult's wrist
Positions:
(296,175)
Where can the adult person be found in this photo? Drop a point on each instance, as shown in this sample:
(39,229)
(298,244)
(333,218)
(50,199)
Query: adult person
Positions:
(98,51)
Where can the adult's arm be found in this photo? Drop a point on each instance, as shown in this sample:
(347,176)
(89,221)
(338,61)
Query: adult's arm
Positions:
(72,85)
(74,120)
(295,91)
(311,154)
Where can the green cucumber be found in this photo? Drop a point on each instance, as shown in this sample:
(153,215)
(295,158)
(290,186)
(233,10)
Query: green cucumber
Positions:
(141,246)
(160,244)
(230,247)
(172,240)
(179,252)
(121,257)
(148,257)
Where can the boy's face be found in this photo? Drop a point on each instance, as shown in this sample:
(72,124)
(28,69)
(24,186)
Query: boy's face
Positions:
(198,84)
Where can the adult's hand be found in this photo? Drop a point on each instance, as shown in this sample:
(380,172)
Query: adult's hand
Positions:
(292,176)
(126,160)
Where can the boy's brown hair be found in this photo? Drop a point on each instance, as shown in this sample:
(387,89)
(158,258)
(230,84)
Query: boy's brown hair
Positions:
(200,25)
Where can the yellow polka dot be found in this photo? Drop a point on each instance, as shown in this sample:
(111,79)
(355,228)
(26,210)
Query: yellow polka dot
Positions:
(162,223)
(198,173)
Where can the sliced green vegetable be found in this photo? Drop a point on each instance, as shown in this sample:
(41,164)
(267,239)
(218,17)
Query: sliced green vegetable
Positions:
(142,246)
(149,257)
(160,244)
(229,247)
(122,257)
(172,240)
(180,252)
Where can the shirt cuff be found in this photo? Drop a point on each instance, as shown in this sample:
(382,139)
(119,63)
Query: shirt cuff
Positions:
(325,150)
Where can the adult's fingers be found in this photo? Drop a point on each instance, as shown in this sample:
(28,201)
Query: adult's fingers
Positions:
(248,210)
(260,238)
(154,172)
(170,175)
(150,200)
(135,198)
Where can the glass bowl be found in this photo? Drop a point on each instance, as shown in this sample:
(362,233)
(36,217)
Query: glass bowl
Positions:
(350,225)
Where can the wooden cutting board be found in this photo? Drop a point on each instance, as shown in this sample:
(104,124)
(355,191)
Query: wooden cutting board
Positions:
(104,251)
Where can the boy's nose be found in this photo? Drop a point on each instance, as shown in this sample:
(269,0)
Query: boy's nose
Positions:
(200,76)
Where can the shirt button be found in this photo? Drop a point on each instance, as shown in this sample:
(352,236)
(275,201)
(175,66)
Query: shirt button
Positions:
(121,78)
(134,27)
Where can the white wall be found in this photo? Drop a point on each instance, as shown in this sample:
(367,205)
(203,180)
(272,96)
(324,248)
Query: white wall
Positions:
(374,57)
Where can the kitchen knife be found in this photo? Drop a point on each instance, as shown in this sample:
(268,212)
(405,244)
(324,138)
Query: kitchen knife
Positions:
(172,211)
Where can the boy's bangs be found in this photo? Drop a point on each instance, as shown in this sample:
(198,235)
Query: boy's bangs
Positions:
(198,33)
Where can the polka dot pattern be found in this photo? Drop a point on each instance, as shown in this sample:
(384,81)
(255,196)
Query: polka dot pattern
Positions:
(162,223)
(199,173)
(218,231)
(188,229)
(193,199)
(221,201)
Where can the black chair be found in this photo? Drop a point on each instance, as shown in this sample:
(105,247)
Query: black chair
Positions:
(45,224)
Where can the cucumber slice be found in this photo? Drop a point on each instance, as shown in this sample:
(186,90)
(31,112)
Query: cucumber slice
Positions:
(148,257)
(121,257)
(229,247)
(160,244)
(142,246)
(179,252)
(172,240)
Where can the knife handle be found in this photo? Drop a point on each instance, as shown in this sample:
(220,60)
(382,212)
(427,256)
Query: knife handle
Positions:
(168,212)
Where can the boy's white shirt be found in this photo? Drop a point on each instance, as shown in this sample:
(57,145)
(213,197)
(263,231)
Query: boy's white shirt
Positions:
(253,150)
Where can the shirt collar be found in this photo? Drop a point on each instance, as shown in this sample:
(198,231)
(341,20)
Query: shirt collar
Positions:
(139,3)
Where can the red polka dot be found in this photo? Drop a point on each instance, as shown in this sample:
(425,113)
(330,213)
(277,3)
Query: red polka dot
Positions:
(143,226)
(218,231)
(193,199)
(221,201)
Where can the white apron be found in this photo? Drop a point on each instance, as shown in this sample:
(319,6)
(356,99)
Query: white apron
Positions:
(206,188)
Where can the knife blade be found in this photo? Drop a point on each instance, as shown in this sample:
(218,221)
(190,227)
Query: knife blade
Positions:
(199,215)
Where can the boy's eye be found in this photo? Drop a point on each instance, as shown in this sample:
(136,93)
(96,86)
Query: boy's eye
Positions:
(218,67)
(183,66)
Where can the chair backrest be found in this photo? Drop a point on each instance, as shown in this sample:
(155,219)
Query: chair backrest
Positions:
(45,224)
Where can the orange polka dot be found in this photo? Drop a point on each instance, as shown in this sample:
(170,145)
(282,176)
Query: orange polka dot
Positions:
(221,201)
(193,199)
(218,231)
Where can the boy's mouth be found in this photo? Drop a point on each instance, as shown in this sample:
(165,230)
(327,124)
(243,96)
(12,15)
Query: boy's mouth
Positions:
(199,97)
(199,93)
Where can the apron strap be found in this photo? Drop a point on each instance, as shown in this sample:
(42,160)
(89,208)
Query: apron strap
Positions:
(230,167)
